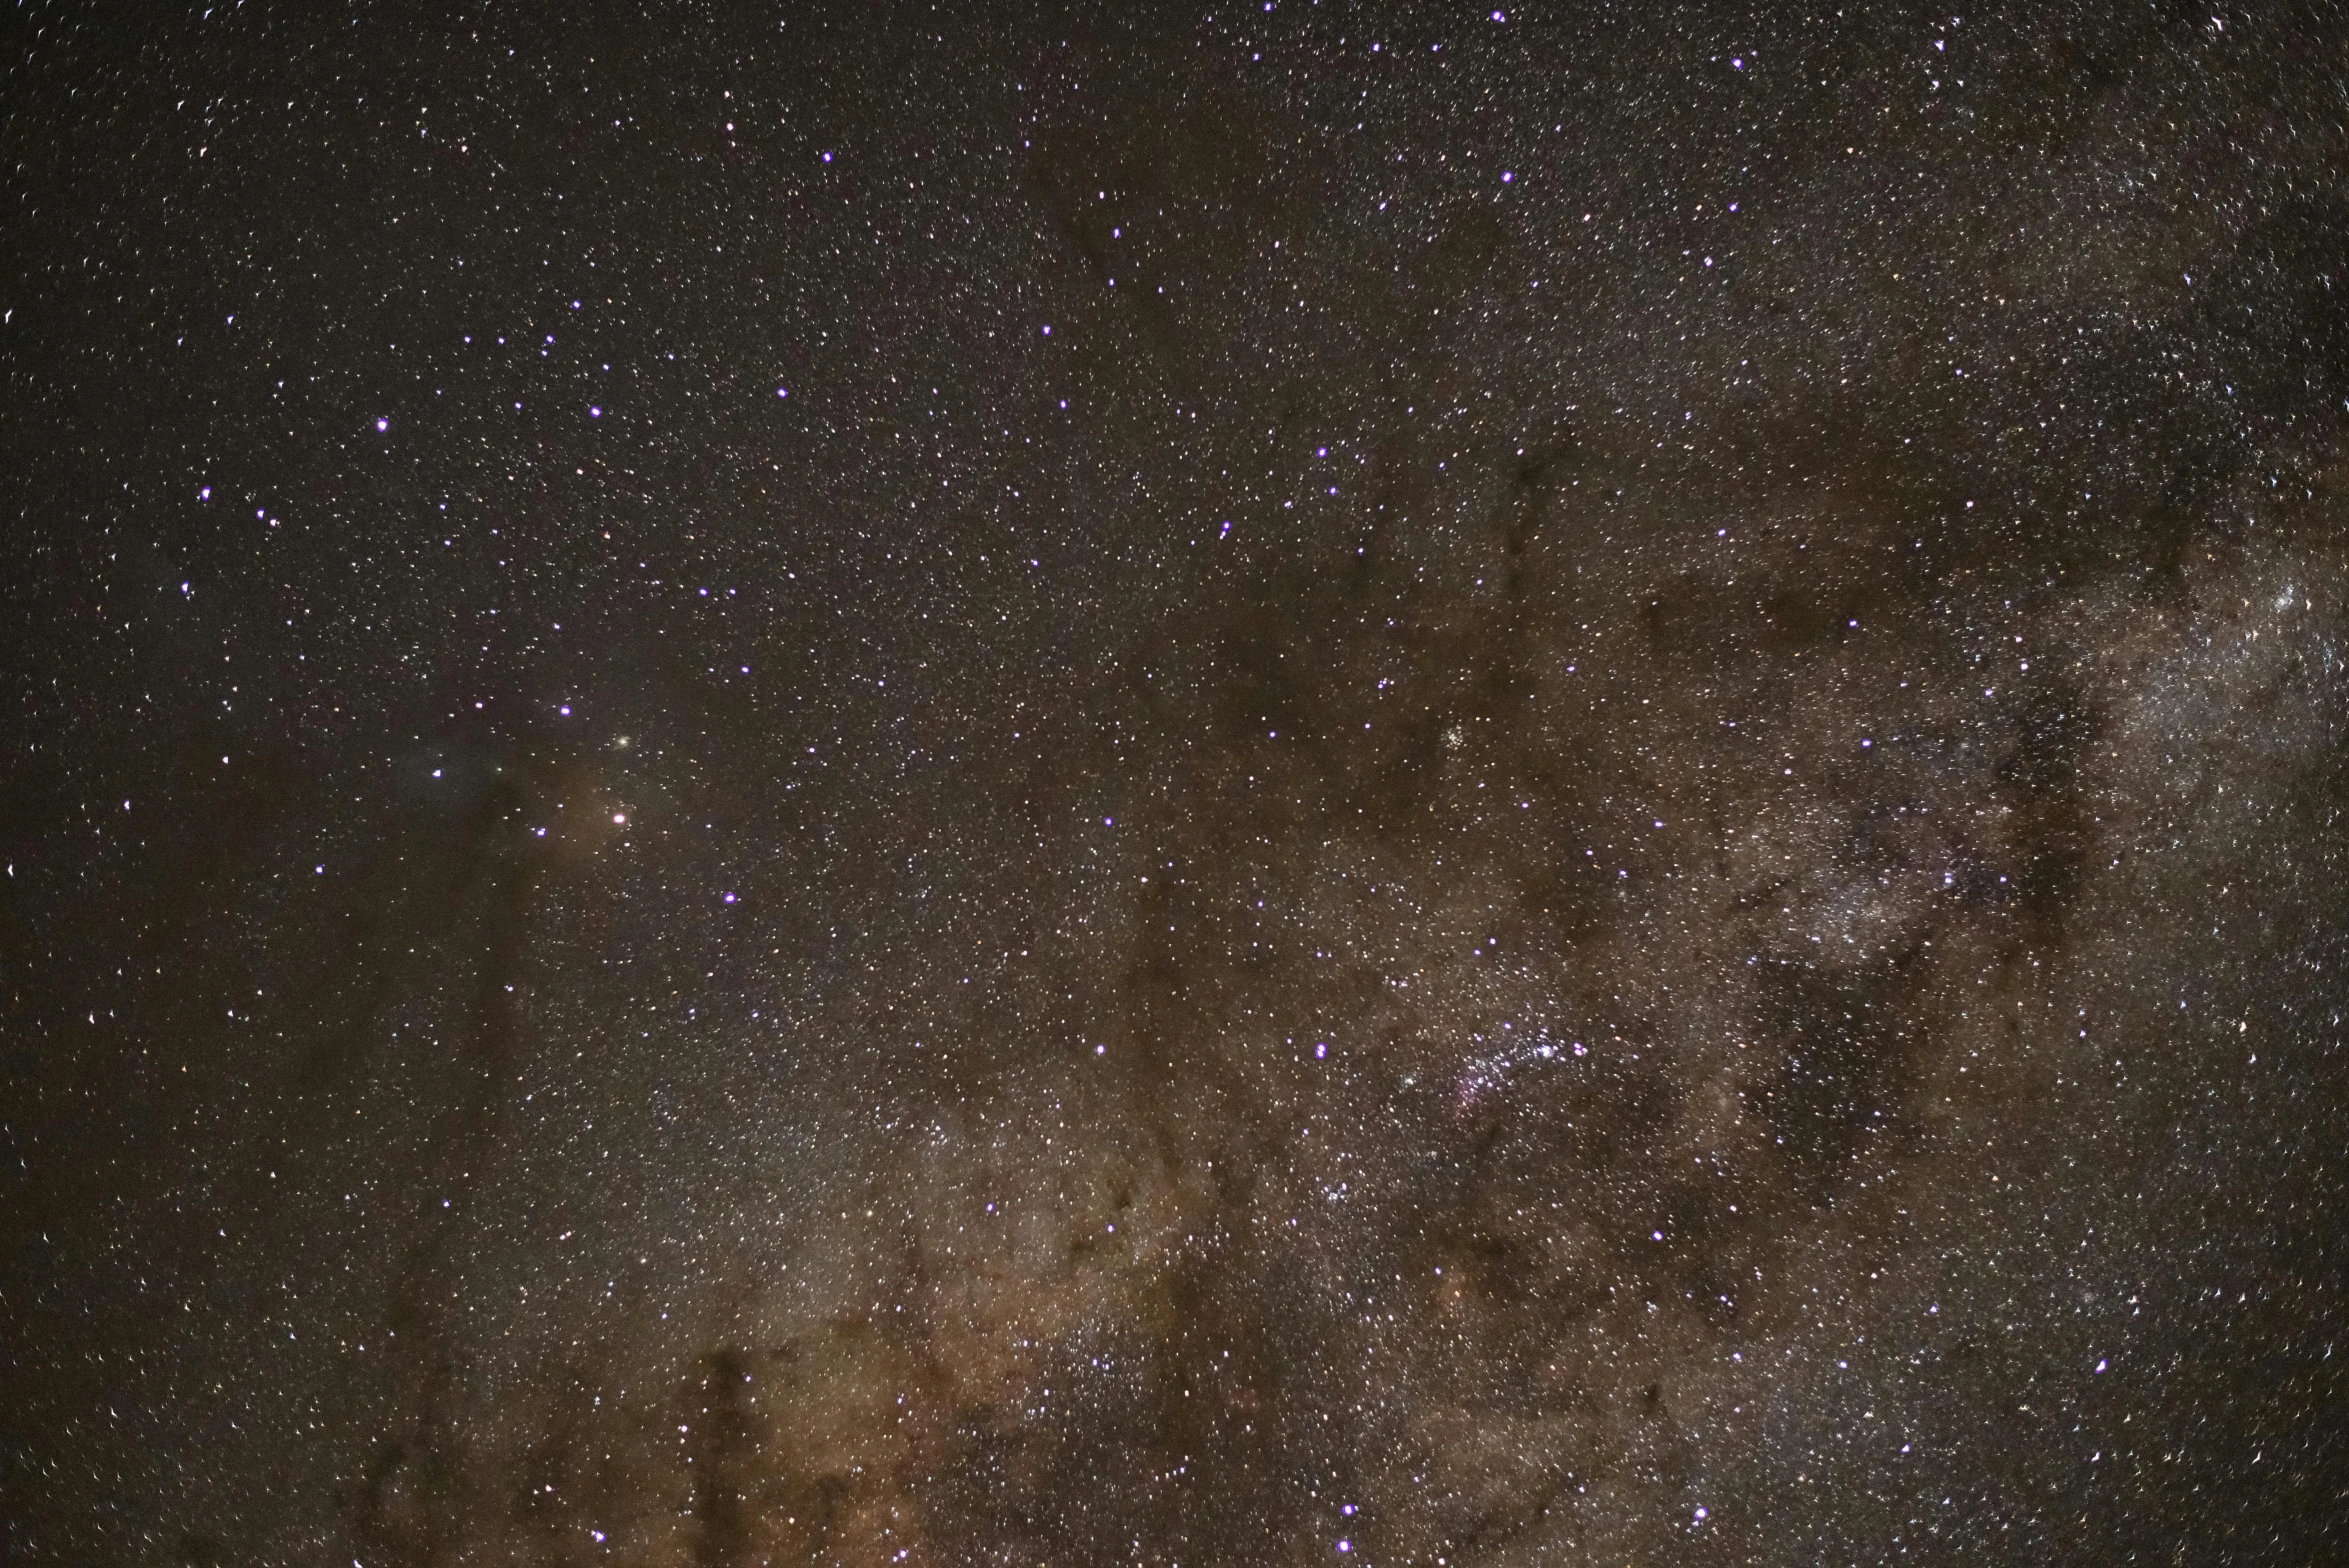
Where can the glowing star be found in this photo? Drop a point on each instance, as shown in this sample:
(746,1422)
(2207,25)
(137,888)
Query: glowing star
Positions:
(620,818)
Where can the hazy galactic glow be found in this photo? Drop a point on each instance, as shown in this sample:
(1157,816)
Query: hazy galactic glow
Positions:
(1568,796)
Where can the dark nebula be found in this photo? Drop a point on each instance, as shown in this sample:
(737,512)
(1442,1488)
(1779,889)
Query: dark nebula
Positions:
(1260,784)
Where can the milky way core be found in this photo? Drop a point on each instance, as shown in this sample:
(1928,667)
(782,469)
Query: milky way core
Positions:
(1252,784)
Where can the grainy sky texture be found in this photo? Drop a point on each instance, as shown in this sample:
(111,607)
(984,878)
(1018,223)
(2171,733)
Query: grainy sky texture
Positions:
(1239,785)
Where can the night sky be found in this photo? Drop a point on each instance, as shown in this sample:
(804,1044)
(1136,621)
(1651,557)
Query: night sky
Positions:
(1253,784)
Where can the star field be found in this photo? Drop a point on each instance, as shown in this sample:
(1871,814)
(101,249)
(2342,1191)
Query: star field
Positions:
(1269,783)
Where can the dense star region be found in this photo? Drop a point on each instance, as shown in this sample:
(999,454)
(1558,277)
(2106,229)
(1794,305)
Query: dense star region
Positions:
(1222,785)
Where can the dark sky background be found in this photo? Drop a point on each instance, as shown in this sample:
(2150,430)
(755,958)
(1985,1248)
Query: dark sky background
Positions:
(1238,784)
